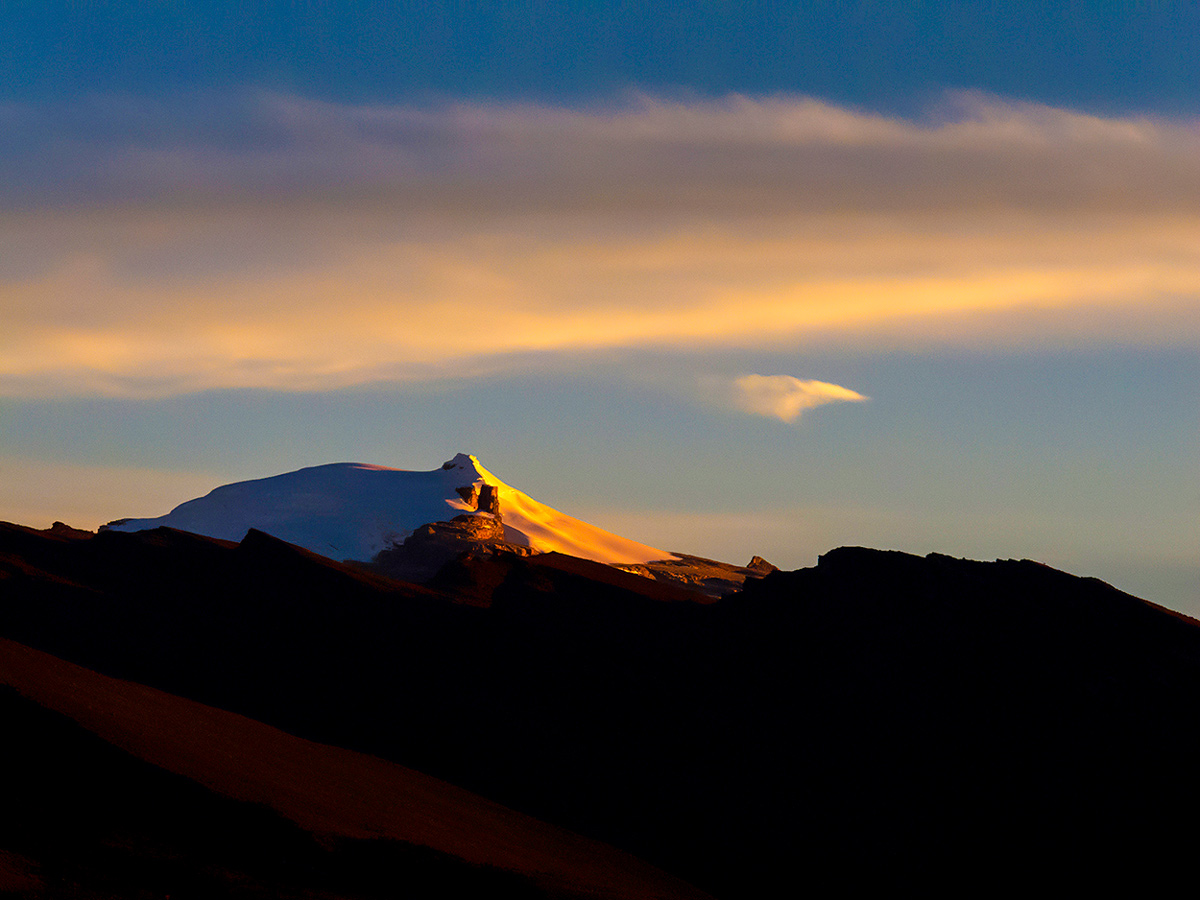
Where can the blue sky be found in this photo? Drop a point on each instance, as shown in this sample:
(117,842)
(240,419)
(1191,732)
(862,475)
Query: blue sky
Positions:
(1101,56)
(562,237)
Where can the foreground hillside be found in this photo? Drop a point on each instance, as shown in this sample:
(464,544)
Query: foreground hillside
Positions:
(207,802)
(878,719)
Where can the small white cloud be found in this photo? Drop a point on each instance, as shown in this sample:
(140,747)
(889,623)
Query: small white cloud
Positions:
(785,398)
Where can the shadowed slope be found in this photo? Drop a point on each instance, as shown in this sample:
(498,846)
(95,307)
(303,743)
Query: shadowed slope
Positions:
(326,791)
(880,718)
(87,821)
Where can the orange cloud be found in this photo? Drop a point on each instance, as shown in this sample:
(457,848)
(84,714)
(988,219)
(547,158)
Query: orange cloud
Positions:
(354,244)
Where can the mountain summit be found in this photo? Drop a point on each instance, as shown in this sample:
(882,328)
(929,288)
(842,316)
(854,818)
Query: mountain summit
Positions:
(354,511)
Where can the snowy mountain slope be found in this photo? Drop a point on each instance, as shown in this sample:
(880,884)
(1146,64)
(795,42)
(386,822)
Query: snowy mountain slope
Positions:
(353,511)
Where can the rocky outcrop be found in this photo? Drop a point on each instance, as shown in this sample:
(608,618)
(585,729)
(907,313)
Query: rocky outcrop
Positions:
(634,569)
(707,576)
(758,564)
(469,527)
(63,530)
(429,548)
(489,499)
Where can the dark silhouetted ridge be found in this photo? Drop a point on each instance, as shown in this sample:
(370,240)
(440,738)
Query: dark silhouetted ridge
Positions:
(879,719)
(131,789)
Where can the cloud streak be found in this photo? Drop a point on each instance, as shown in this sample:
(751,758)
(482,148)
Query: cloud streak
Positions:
(727,157)
(784,397)
(262,240)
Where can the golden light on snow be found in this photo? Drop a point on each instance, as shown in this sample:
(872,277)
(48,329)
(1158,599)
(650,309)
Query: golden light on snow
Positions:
(549,530)
(355,511)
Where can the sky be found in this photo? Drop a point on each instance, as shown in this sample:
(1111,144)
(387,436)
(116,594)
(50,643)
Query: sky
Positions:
(726,278)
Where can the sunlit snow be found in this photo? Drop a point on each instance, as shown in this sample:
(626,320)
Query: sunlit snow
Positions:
(353,511)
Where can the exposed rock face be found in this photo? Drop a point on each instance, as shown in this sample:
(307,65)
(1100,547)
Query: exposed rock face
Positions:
(708,576)
(467,527)
(635,569)
(489,499)
(424,552)
(431,546)
(758,564)
(63,530)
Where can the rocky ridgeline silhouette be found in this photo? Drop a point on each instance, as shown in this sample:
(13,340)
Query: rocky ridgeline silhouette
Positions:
(877,720)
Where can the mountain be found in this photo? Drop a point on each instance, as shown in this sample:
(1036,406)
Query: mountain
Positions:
(129,791)
(356,511)
(876,721)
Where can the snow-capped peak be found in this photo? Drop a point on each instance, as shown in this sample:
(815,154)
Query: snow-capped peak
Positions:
(355,510)
(464,461)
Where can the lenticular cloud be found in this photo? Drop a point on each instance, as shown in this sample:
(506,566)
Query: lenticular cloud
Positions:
(785,398)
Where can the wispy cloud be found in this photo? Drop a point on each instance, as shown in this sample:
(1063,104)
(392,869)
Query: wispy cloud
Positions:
(785,398)
(262,240)
(737,155)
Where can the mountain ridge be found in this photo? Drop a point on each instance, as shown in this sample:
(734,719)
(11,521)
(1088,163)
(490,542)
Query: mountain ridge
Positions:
(341,798)
(877,719)
(356,511)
